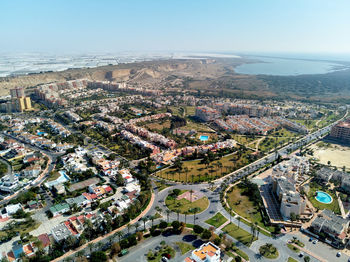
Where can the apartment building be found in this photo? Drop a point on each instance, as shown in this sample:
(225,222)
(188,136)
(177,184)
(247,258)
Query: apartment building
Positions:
(341,131)
(207,114)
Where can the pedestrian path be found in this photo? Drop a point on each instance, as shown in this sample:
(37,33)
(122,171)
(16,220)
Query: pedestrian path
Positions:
(224,224)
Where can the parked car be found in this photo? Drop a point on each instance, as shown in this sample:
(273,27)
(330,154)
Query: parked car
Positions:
(338,254)
(315,241)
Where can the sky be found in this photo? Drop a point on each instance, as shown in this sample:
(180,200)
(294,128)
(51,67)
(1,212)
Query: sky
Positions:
(251,26)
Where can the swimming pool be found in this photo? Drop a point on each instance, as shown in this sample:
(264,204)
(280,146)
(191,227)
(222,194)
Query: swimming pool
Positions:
(323,197)
(203,138)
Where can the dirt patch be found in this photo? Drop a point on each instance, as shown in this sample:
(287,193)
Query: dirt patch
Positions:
(339,156)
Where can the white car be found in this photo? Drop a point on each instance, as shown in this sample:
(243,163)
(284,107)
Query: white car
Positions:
(338,254)
(315,241)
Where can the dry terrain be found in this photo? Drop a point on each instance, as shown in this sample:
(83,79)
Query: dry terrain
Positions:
(338,155)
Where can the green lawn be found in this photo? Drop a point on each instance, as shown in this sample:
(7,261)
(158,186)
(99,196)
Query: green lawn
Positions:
(245,208)
(183,205)
(161,185)
(290,259)
(293,248)
(216,220)
(200,172)
(240,252)
(184,247)
(334,206)
(239,234)
(269,252)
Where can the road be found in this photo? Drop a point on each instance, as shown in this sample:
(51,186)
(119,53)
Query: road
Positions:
(51,165)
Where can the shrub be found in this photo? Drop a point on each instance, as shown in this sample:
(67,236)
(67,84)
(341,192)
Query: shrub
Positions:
(163,224)
(176,225)
(98,256)
(197,229)
(206,234)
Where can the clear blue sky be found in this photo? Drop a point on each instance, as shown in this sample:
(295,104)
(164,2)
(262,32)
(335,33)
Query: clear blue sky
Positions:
(168,25)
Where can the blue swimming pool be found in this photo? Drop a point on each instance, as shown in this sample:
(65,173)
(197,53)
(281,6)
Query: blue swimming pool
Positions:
(203,138)
(323,197)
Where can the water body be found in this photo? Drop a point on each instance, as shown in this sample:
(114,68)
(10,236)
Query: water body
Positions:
(288,67)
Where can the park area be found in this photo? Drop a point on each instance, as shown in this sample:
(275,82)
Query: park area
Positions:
(239,234)
(196,171)
(240,203)
(216,220)
(186,202)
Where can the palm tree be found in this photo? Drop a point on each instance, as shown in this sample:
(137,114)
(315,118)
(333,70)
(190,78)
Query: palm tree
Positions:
(136,226)
(220,166)
(239,220)
(167,215)
(109,239)
(119,234)
(185,213)
(152,218)
(178,213)
(99,245)
(128,226)
(144,220)
(91,246)
(191,192)
(80,253)
(186,171)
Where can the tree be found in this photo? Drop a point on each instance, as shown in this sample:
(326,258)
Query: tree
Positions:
(136,225)
(163,224)
(197,229)
(98,256)
(185,213)
(119,234)
(307,259)
(144,220)
(167,215)
(91,246)
(176,225)
(115,249)
(186,171)
(178,213)
(128,226)
(239,220)
(293,218)
(206,234)
(238,259)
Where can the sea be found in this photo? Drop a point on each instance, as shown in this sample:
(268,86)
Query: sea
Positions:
(289,66)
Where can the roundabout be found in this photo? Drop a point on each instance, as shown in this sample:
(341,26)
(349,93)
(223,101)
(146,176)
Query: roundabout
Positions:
(187,202)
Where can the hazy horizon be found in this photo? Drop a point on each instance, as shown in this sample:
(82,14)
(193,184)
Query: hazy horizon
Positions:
(85,26)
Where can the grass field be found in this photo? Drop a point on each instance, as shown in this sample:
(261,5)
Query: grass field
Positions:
(334,206)
(199,172)
(158,125)
(239,234)
(183,205)
(290,259)
(216,220)
(184,247)
(293,248)
(240,252)
(161,185)
(53,176)
(245,208)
